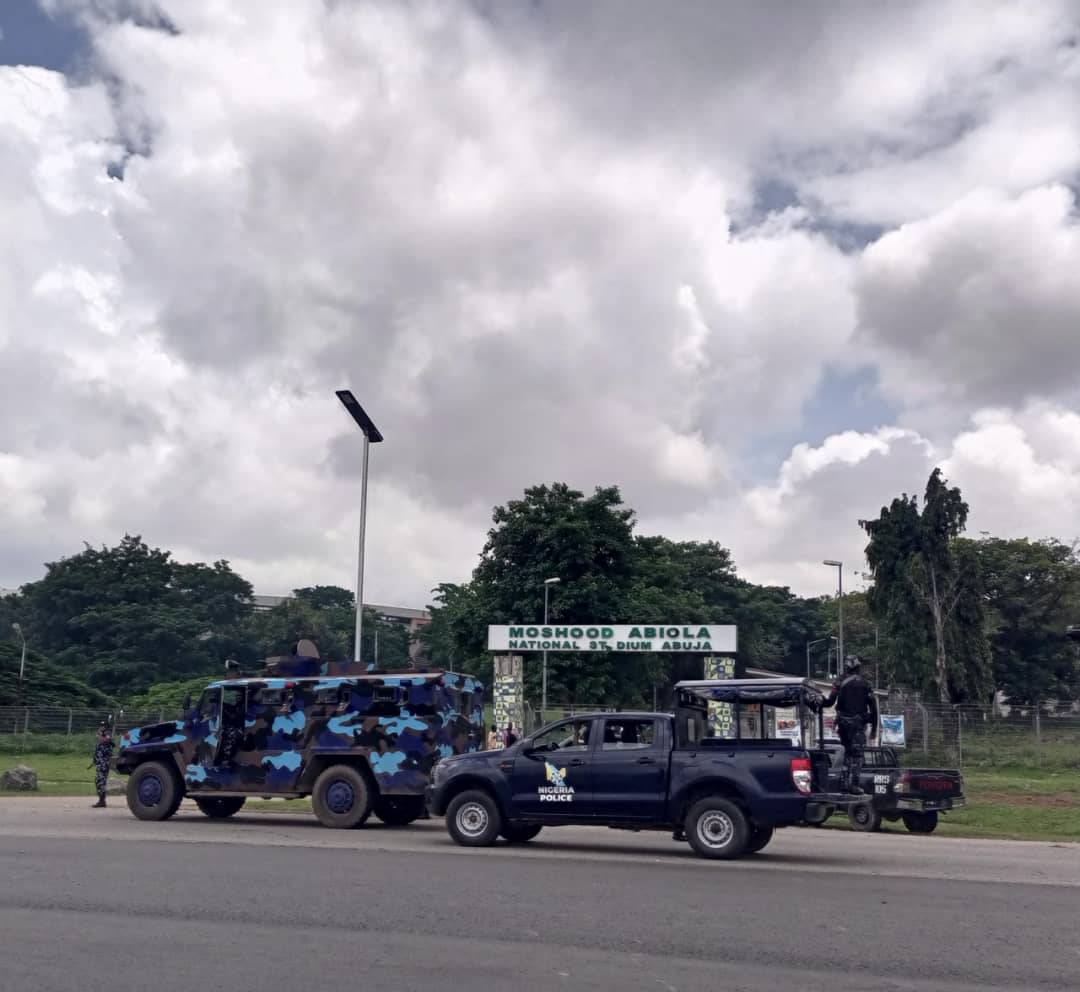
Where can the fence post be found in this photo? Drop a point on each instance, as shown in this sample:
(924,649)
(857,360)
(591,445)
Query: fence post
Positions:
(925,728)
(161,715)
(959,739)
(1038,734)
(70,717)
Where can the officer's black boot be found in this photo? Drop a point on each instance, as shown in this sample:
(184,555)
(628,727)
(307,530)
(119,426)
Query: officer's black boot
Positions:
(100,804)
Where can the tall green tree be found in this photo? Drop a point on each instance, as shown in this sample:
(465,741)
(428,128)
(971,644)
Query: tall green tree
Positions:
(927,592)
(121,618)
(1032,591)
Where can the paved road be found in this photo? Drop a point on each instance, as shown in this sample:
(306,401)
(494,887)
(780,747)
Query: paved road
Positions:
(96,900)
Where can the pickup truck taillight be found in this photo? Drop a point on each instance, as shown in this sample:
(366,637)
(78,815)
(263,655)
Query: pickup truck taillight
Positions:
(904,784)
(800,775)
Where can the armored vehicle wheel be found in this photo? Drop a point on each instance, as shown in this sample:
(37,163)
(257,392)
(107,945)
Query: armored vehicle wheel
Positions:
(341,797)
(759,839)
(864,818)
(398,811)
(519,835)
(219,807)
(717,828)
(473,819)
(154,791)
(921,823)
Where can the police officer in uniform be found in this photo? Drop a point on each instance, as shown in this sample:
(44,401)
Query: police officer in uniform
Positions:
(102,756)
(856,709)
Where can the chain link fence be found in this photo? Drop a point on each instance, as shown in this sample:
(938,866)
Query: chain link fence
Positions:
(1043,736)
(55,729)
(997,736)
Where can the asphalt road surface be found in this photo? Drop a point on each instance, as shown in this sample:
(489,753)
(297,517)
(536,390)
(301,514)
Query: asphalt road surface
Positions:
(94,900)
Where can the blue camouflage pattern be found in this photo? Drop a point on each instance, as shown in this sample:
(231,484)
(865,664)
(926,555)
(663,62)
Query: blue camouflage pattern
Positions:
(305,709)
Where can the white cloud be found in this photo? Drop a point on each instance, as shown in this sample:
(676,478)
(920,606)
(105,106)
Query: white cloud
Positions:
(524,236)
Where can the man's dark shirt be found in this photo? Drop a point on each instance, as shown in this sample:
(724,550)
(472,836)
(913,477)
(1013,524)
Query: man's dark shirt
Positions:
(854,699)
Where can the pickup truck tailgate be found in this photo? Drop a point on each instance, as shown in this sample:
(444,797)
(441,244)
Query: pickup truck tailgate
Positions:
(931,787)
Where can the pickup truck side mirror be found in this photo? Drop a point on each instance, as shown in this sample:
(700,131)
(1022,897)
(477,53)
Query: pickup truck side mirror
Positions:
(526,748)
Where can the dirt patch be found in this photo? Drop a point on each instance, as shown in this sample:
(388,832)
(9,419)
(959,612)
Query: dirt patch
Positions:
(1001,798)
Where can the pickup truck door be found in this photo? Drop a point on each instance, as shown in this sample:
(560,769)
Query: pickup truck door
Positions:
(630,768)
(553,781)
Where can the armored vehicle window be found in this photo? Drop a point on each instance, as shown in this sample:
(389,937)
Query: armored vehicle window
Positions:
(386,694)
(466,702)
(269,697)
(330,694)
(210,704)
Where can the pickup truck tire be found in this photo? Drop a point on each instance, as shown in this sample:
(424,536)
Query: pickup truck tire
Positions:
(921,823)
(864,818)
(717,828)
(521,834)
(219,807)
(154,791)
(399,811)
(759,839)
(473,819)
(341,798)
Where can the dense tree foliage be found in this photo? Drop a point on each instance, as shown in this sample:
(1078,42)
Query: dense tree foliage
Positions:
(609,574)
(927,593)
(122,618)
(948,616)
(1032,592)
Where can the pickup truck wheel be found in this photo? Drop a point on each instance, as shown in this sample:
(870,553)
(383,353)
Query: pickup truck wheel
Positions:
(759,839)
(153,791)
(399,811)
(341,797)
(219,807)
(717,828)
(473,819)
(921,823)
(519,835)
(864,818)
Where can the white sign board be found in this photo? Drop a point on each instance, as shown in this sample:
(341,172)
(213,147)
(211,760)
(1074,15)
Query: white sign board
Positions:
(634,638)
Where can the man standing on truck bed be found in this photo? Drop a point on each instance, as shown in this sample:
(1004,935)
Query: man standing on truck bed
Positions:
(856,708)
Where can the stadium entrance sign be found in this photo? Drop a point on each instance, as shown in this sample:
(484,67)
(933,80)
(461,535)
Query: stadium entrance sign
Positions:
(634,638)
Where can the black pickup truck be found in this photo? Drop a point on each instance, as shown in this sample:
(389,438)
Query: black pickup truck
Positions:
(914,795)
(643,771)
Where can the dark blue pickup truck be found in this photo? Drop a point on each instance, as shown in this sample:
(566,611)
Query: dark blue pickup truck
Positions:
(644,771)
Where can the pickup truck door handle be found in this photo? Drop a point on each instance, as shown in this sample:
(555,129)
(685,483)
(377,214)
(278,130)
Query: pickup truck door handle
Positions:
(576,761)
(646,761)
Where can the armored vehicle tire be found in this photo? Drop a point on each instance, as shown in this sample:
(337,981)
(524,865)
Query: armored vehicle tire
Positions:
(521,834)
(473,819)
(341,797)
(717,828)
(398,811)
(154,791)
(219,807)
(864,818)
(921,823)
(759,839)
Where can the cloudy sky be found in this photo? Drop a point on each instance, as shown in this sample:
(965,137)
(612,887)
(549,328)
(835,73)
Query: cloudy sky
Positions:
(763,265)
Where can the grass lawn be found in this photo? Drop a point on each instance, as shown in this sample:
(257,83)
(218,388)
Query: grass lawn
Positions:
(1015,804)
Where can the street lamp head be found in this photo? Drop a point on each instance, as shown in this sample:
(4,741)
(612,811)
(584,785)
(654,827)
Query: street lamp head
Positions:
(17,628)
(552,582)
(356,411)
(834,564)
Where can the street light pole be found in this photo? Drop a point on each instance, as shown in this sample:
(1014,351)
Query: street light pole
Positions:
(548,583)
(839,566)
(371,436)
(22,661)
